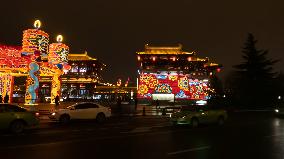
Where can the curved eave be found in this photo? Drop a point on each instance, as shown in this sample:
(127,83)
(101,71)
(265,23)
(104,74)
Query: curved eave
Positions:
(165,53)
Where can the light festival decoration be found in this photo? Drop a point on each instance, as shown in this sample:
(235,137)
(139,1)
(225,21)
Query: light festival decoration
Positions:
(180,85)
(58,52)
(183,83)
(118,83)
(31,60)
(58,58)
(35,47)
(162,76)
(10,56)
(173,78)
(35,41)
(6,85)
(55,85)
(163,88)
(143,89)
(181,94)
(150,80)
(198,89)
(32,84)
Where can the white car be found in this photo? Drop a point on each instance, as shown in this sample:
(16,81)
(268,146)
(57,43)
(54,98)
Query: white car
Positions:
(81,111)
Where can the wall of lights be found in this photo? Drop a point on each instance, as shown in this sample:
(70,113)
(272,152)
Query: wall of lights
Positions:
(182,86)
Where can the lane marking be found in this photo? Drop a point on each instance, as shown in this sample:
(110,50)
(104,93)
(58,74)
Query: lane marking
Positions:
(72,141)
(268,136)
(139,130)
(190,150)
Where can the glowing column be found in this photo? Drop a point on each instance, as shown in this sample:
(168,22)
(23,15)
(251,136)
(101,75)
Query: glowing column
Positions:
(35,43)
(32,84)
(6,86)
(55,85)
(35,46)
(58,57)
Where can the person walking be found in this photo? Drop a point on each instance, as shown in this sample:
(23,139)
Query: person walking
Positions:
(57,100)
(6,98)
(136,103)
(119,104)
(157,103)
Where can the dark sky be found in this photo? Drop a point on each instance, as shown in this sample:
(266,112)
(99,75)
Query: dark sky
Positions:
(113,30)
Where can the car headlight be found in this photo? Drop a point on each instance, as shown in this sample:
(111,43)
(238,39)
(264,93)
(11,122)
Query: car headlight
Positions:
(276,110)
(184,117)
(53,114)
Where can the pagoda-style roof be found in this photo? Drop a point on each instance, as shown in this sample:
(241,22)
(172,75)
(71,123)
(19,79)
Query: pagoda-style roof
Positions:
(80,57)
(164,50)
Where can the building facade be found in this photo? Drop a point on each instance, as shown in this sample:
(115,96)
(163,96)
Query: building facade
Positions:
(169,73)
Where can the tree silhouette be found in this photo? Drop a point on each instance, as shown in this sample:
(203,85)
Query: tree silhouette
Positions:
(253,78)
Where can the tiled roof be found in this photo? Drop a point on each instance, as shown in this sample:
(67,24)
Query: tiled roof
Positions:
(164,50)
(80,57)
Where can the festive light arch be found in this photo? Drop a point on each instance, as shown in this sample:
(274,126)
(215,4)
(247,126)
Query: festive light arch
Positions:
(34,59)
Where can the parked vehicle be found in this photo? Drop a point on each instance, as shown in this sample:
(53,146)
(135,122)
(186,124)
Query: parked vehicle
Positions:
(196,114)
(16,119)
(86,110)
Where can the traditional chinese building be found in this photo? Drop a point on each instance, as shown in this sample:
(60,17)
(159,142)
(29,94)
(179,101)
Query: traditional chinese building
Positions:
(169,73)
(83,77)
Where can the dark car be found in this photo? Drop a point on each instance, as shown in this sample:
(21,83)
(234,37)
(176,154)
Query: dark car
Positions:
(196,114)
(16,119)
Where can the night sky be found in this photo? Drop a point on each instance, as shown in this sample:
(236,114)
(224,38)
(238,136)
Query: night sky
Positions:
(113,30)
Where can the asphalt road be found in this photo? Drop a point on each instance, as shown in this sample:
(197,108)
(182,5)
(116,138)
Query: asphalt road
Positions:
(245,135)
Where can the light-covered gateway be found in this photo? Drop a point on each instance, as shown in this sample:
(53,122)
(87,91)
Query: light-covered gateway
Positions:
(169,73)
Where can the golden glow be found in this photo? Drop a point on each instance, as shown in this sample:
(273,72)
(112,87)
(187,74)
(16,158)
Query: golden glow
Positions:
(189,59)
(37,24)
(59,38)
(80,57)
(139,58)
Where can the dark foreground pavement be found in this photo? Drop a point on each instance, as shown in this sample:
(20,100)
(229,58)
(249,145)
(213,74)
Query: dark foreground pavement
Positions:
(245,135)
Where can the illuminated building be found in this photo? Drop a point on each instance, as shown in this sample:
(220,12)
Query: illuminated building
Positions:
(169,73)
(83,77)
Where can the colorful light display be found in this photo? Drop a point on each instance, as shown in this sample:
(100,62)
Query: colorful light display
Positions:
(10,57)
(55,85)
(33,60)
(180,85)
(32,84)
(35,42)
(6,85)
(58,52)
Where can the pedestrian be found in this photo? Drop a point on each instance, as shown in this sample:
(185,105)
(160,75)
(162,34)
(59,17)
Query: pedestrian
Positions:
(119,104)
(1,99)
(136,103)
(157,104)
(57,100)
(6,98)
